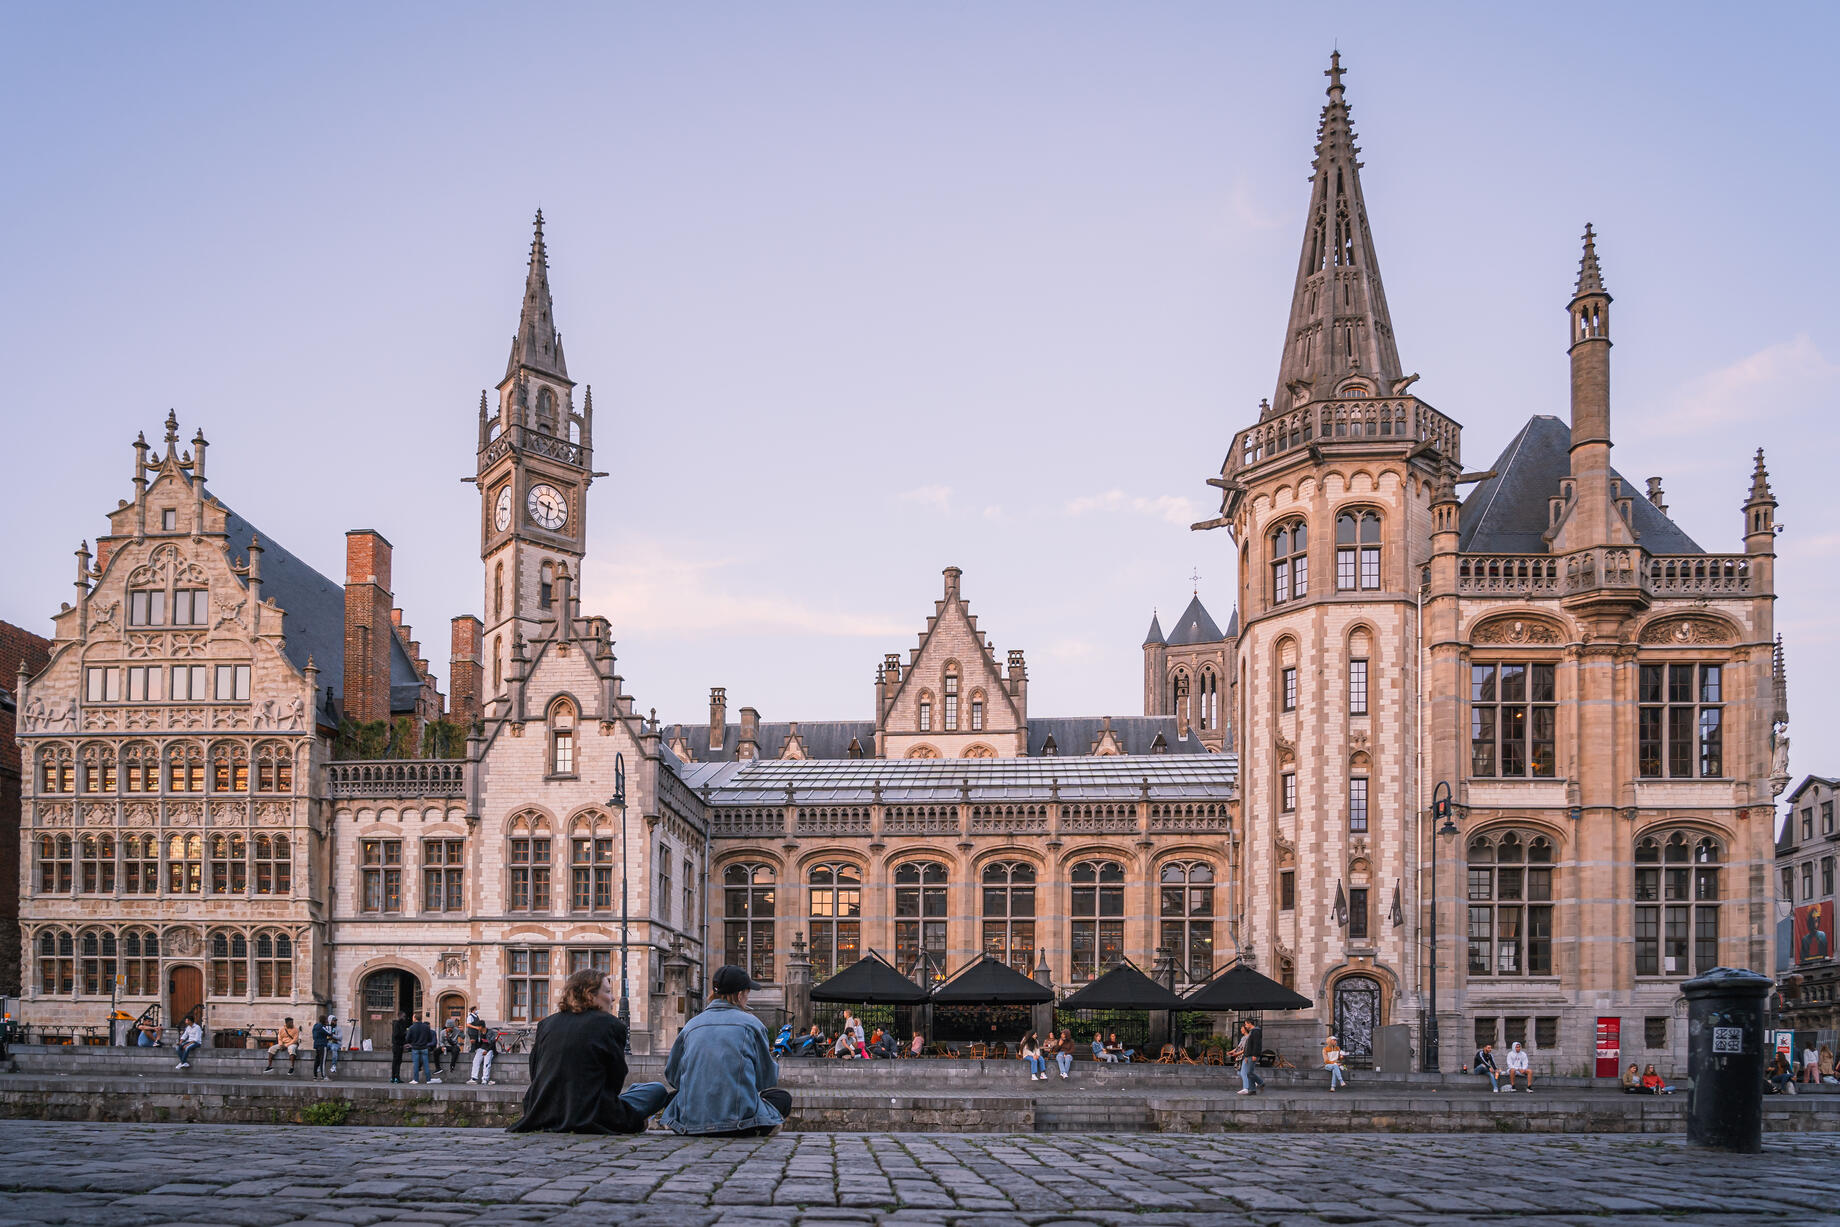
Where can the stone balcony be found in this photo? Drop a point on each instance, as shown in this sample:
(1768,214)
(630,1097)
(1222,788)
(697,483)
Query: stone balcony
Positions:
(396,777)
(1392,419)
(1604,568)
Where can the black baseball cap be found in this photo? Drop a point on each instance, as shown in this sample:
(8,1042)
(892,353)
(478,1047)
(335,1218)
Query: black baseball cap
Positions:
(732,979)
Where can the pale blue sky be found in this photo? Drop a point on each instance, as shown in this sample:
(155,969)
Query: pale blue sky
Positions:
(868,290)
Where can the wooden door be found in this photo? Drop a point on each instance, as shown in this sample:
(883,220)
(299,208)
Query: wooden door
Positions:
(184,994)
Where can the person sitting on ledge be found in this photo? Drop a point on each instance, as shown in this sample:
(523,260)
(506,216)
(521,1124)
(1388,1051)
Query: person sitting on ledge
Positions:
(1653,1083)
(1484,1064)
(1519,1066)
(1632,1079)
(845,1046)
(1112,1045)
(578,1062)
(725,1078)
(885,1048)
(918,1047)
(1101,1052)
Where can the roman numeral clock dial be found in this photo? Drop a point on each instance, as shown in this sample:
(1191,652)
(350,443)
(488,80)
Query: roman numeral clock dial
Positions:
(548,509)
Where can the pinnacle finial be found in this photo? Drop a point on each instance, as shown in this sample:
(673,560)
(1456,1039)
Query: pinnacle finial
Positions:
(1760,480)
(1590,277)
(172,427)
(1334,72)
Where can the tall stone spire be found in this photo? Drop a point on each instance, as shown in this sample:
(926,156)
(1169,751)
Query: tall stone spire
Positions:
(537,345)
(1339,324)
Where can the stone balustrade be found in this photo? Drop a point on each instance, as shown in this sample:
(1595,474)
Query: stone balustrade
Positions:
(1387,419)
(397,777)
(1543,575)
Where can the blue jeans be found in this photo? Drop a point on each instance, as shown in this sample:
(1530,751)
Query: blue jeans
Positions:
(645,1099)
(1336,1077)
(1249,1079)
(1065,1061)
(1494,1077)
(419,1071)
(186,1051)
(1037,1065)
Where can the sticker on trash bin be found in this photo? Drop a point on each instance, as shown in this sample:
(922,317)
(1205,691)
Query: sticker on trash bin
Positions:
(1728,1039)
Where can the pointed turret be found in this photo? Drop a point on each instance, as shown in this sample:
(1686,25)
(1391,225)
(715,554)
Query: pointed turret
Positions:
(1595,515)
(1156,631)
(537,345)
(1760,512)
(1339,324)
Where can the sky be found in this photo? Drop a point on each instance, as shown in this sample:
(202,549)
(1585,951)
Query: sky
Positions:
(865,291)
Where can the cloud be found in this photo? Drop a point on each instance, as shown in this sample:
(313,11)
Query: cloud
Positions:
(1170,508)
(1745,389)
(660,589)
(937,497)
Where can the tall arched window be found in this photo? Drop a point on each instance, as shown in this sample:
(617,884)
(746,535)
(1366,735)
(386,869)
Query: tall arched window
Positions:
(1098,917)
(920,910)
(1290,562)
(1357,551)
(274,865)
(747,919)
(1510,905)
(1210,699)
(140,767)
(926,711)
(97,869)
(1179,696)
(274,767)
(498,592)
(98,965)
(56,871)
(591,865)
(57,967)
(140,963)
(835,913)
(57,772)
(498,661)
(530,864)
(1009,913)
(951,700)
(274,964)
(185,767)
(1186,916)
(229,964)
(229,767)
(140,863)
(562,738)
(184,864)
(977,711)
(1677,904)
(98,768)
(229,863)
(546,411)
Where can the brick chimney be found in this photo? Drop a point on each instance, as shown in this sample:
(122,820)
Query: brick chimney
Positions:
(464,672)
(718,717)
(369,625)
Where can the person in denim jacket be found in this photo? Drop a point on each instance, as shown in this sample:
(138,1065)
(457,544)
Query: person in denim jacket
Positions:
(723,1068)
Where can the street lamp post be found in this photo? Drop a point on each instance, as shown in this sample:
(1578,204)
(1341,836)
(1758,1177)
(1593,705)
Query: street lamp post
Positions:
(618,801)
(1440,814)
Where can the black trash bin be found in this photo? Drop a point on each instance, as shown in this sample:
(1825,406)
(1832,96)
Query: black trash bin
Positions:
(1725,1058)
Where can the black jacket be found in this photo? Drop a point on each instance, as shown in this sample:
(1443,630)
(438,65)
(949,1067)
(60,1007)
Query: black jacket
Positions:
(421,1035)
(399,1032)
(577,1067)
(1484,1060)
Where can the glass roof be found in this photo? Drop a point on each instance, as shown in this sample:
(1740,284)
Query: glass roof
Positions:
(1186,777)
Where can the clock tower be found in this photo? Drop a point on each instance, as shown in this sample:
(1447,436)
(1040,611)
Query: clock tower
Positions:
(535,465)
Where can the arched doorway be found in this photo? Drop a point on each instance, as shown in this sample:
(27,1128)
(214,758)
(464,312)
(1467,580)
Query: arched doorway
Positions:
(1357,1014)
(383,994)
(184,993)
(452,1008)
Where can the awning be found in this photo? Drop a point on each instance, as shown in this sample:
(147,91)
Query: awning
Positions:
(1123,988)
(990,982)
(869,981)
(1241,988)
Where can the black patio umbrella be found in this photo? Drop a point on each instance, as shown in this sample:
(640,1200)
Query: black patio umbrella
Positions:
(1239,988)
(1124,988)
(991,982)
(869,981)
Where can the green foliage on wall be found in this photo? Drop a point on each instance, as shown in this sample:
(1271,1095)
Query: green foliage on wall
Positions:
(374,739)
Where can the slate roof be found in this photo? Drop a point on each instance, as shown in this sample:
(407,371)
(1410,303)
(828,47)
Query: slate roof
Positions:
(1074,735)
(313,618)
(1112,777)
(1508,513)
(1194,626)
(1155,634)
(822,738)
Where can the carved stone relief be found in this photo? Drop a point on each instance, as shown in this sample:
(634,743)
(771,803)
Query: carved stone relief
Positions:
(184,814)
(143,644)
(453,965)
(56,814)
(182,942)
(42,717)
(1686,631)
(101,615)
(1514,630)
(139,814)
(98,814)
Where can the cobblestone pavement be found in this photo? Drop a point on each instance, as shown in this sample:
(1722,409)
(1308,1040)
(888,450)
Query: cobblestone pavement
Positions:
(258,1176)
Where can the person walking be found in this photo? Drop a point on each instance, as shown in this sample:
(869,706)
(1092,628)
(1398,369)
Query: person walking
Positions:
(1484,1064)
(1332,1061)
(420,1038)
(399,1040)
(578,1064)
(725,1075)
(484,1046)
(286,1040)
(1251,1044)
(191,1038)
(1030,1050)
(1063,1053)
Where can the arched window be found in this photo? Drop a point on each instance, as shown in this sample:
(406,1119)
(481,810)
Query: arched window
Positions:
(1357,551)
(498,592)
(1290,562)
(274,865)
(274,964)
(1186,916)
(1677,904)
(140,963)
(229,767)
(977,711)
(980,750)
(562,738)
(1510,905)
(835,911)
(57,967)
(546,584)
(140,767)
(57,772)
(184,864)
(1098,917)
(923,751)
(229,964)
(274,768)
(140,863)
(1009,914)
(920,910)
(747,919)
(98,768)
(184,767)
(546,411)
(926,711)
(97,870)
(55,864)
(951,701)
(98,965)
(229,864)
(498,661)
(1179,696)
(1210,699)
(591,866)
(529,860)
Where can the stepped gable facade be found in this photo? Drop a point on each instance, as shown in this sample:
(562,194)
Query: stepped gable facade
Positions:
(1593,692)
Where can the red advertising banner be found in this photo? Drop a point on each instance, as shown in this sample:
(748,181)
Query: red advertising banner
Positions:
(1814,932)
(1609,1047)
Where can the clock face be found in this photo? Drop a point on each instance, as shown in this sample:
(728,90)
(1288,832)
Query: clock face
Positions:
(501,515)
(547,507)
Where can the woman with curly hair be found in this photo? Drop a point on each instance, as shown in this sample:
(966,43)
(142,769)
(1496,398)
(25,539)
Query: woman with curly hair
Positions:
(578,1063)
